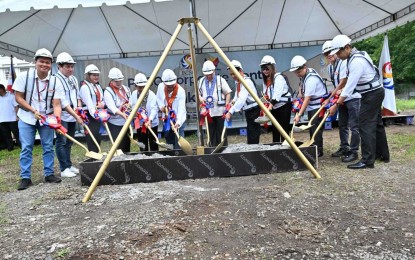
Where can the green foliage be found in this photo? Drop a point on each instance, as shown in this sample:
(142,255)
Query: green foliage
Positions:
(401,48)
(403,105)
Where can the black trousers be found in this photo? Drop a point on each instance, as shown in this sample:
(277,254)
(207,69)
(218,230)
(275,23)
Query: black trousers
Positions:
(371,128)
(318,139)
(148,139)
(283,116)
(215,131)
(253,129)
(94,126)
(7,128)
(125,142)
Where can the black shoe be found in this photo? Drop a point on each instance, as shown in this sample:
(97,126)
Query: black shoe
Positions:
(350,157)
(24,184)
(360,165)
(52,179)
(320,153)
(340,152)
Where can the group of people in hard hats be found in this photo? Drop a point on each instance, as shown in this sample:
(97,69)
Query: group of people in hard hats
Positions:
(358,96)
(57,102)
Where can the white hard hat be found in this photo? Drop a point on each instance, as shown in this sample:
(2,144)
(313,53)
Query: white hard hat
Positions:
(169,77)
(115,74)
(297,62)
(326,47)
(236,64)
(43,53)
(267,60)
(208,67)
(92,69)
(140,79)
(64,57)
(339,42)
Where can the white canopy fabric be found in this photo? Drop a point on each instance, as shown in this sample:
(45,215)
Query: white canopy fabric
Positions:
(118,29)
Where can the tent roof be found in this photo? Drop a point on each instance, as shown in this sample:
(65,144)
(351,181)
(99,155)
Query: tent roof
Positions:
(117,29)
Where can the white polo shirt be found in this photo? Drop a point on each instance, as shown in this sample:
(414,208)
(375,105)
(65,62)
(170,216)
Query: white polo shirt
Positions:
(7,108)
(179,103)
(19,85)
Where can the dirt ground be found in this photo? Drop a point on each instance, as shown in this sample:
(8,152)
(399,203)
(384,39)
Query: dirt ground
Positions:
(348,214)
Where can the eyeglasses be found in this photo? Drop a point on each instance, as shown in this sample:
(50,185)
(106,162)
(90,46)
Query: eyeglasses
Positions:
(265,69)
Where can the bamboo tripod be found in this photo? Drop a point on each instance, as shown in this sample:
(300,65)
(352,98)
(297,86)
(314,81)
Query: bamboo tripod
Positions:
(153,75)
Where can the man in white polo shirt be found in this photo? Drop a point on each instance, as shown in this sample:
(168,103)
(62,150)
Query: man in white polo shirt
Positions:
(38,94)
(8,120)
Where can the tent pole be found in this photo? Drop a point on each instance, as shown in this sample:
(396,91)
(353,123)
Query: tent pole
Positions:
(259,102)
(194,69)
(125,128)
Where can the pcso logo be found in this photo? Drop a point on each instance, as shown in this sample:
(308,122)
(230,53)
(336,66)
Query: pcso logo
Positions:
(186,62)
(387,75)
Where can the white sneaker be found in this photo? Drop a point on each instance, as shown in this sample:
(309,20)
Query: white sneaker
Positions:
(74,169)
(67,173)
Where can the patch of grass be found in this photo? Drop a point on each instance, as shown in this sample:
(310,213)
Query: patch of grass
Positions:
(63,252)
(405,104)
(402,145)
(3,217)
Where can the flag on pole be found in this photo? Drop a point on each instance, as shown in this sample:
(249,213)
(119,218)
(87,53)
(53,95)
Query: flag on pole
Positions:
(12,76)
(385,67)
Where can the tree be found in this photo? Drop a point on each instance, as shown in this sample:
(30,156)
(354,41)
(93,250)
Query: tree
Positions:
(401,48)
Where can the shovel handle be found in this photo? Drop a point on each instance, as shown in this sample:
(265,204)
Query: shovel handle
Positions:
(108,132)
(321,123)
(315,115)
(72,139)
(93,138)
(207,131)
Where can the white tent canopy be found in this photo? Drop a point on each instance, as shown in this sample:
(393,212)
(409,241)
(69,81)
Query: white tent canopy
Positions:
(117,29)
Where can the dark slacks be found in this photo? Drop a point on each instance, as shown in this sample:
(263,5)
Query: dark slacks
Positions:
(148,139)
(318,139)
(349,120)
(7,128)
(253,129)
(94,126)
(371,128)
(283,116)
(125,142)
(215,131)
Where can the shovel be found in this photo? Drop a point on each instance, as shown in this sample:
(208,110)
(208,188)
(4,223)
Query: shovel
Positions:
(90,154)
(119,151)
(131,136)
(93,139)
(311,141)
(291,136)
(220,145)
(207,131)
(183,143)
(305,127)
(164,145)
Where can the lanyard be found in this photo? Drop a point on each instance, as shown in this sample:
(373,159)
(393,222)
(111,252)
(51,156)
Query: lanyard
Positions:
(97,93)
(40,91)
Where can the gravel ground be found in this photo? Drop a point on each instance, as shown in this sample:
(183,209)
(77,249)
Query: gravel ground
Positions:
(366,214)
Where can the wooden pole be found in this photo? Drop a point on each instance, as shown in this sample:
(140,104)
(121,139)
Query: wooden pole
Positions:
(266,111)
(132,115)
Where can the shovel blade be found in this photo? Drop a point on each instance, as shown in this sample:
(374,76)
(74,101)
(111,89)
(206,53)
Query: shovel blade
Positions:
(301,128)
(185,145)
(94,155)
(218,147)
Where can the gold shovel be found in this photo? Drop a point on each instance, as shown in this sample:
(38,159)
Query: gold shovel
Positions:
(183,143)
(207,131)
(220,145)
(93,138)
(291,136)
(90,154)
(119,151)
(164,145)
(305,127)
(311,141)
(131,136)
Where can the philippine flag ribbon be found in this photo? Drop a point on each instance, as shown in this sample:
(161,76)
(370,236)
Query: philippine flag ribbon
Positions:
(385,69)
